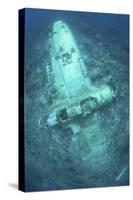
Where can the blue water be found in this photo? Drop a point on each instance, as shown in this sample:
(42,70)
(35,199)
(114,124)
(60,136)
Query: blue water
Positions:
(53,161)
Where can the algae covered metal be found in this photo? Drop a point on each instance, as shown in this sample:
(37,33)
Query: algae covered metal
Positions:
(75,96)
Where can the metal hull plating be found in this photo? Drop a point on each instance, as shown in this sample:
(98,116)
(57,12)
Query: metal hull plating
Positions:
(75,96)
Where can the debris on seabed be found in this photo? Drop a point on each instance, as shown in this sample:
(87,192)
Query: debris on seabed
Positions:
(121,173)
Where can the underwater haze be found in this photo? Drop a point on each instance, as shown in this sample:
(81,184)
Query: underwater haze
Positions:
(55,158)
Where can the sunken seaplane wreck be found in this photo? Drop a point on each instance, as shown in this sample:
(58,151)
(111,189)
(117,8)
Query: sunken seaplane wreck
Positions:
(76,99)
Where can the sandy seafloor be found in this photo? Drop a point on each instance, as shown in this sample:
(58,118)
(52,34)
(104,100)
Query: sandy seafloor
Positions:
(53,160)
